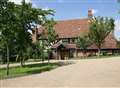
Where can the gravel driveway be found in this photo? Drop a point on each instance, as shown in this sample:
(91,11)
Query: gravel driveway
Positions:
(84,73)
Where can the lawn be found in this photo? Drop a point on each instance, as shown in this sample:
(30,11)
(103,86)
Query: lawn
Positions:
(27,69)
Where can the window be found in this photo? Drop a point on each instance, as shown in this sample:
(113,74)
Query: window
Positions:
(72,40)
(65,40)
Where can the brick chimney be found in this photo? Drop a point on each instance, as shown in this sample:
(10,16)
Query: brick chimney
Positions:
(90,14)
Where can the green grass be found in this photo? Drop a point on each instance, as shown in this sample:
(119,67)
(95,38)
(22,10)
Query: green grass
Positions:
(27,70)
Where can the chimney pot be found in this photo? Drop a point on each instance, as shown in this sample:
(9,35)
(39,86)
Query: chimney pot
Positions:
(90,14)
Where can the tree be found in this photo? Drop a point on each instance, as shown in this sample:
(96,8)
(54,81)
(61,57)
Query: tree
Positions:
(26,16)
(15,21)
(41,48)
(7,27)
(51,35)
(100,28)
(83,42)
(23,37)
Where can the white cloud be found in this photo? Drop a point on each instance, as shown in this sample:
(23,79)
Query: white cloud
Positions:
(27,1)
(94,11)
(117,25)
(19,1)
(117,29)
(46,8)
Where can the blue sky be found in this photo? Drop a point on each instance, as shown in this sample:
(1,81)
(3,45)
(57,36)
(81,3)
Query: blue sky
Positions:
(75,9)
(72,9)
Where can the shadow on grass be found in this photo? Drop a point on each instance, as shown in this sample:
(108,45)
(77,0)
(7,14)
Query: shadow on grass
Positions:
(38,68)
(39,65)
(47,66)
(35,71)
(31,69)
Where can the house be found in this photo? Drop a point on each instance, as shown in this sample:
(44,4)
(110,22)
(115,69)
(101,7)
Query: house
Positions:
(68,31)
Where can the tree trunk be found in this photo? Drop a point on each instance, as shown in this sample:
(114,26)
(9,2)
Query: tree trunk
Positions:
(48,60)
(85,55)
(42,59)
(76,53)
(8,61)
(99,51)
(17,57)
(43,53)
(21,59)
(36,54)
(49,57)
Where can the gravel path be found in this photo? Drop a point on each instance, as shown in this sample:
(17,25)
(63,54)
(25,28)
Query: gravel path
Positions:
(84,73)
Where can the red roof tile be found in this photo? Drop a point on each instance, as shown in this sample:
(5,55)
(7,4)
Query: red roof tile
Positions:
(110,43)
(71,28)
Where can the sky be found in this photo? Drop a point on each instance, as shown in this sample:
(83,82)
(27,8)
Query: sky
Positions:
(77,9)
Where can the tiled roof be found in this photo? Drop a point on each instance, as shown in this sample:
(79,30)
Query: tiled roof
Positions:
(67,46)
(110,43)
(71,28)
(78,27)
